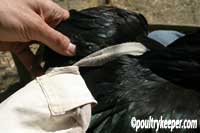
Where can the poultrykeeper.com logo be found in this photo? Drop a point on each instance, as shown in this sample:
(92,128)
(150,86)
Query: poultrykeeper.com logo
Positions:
(161,123)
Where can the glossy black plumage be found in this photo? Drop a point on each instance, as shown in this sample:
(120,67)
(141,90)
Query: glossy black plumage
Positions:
(95,28)
(130,86)
(124,88)
(178,63)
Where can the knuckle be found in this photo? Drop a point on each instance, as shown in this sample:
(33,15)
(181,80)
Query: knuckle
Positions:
(63,42)
(36,28)
(59,40)
(24,32)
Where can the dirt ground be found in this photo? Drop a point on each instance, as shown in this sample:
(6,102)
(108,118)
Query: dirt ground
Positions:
(180,12)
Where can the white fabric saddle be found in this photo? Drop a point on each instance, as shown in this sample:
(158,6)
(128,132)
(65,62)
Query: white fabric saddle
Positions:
(59,101)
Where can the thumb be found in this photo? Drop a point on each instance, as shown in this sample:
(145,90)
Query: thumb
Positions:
(55,40)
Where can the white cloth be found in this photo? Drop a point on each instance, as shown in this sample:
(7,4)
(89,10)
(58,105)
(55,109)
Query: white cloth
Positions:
(102,56)
(57,102)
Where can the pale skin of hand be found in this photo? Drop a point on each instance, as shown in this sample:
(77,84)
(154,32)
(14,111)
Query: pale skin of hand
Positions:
(22,21)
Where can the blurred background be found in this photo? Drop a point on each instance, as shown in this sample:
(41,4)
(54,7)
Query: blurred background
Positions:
(173,12)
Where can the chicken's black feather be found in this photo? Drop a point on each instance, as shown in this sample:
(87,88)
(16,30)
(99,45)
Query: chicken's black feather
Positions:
(125,89)
(96,28)
(127,86)
(178,63)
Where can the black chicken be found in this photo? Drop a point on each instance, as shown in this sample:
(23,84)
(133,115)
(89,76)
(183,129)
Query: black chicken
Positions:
(179,63)
(163,81)
(96,28)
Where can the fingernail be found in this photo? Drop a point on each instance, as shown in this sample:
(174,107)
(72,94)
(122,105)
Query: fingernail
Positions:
(72,49)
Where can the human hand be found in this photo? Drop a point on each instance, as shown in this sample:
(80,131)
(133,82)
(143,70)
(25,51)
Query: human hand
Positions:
(26,20)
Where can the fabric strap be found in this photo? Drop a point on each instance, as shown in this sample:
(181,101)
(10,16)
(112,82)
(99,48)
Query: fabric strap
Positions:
(109,53)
